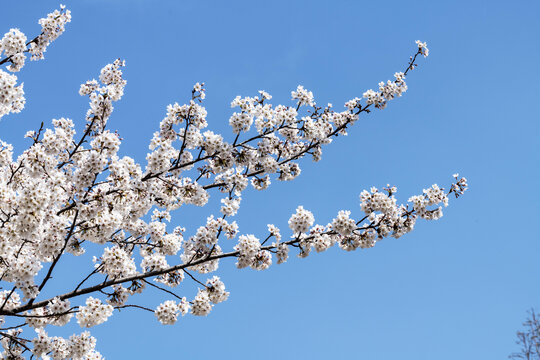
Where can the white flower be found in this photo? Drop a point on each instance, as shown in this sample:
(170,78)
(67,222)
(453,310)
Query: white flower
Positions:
(94,313)
(68,194)
(304,96)
(201,305)
(274,231)
(216,290)
(42,343)
(60,307)
(282,252)
(343,224)
(116,262)
(262,260)
(13,44)
(11,96)
(422,47)
(81,345)
(241,122)
(301,220)
(248,246)
(167,312)
(51,28)
(230,206)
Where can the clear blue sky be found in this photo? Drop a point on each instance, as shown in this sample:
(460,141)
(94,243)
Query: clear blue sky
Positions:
(453,289)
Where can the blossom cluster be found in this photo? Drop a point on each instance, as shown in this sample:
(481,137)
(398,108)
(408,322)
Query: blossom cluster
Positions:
(167,312)
(77,347)
(11,96)
(13,47)
(94,313)
(387,91)
(77,196)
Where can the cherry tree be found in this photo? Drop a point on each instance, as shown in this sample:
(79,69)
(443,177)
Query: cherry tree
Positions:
(67,193)
(528,339)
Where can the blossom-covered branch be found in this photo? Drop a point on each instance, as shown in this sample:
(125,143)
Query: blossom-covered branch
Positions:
(13,48)
(66,192)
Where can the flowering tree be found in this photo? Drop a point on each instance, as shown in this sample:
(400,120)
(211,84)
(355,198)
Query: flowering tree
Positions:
(528,339)
(66,191)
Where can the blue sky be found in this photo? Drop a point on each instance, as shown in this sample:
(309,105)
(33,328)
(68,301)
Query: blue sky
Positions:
(453,289)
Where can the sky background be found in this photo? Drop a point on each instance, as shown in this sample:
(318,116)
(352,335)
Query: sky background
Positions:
(457,288)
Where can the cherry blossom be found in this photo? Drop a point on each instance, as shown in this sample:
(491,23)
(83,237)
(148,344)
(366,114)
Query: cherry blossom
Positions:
(74,195)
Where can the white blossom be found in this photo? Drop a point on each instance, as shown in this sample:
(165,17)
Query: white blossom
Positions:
(301,220)
(68,194)
(116,262)
(248,246)
(216,290)
(13,45)
(51,28)
(422,48)
(343,224)
(303,96)
(11,96)
(167,312)
(262,260)
(94,313)
(81,345)
(201,305)
(230,206)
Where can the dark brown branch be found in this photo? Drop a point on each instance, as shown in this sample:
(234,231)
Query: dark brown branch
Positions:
(162,289)
(5,60)
(134,306)
(55,261)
